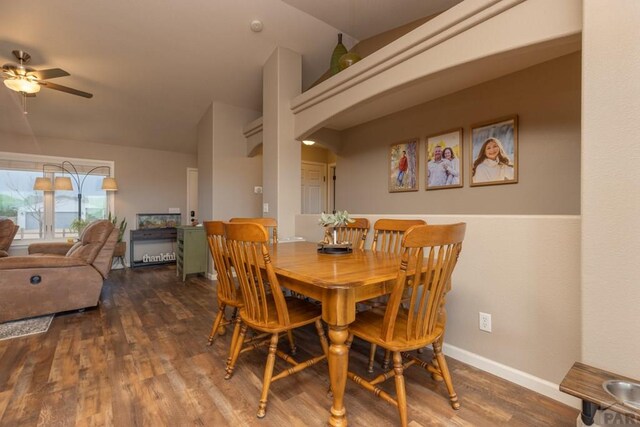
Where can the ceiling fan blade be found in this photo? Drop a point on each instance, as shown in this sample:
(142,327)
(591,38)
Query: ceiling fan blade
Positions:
(51,73)
(66,89)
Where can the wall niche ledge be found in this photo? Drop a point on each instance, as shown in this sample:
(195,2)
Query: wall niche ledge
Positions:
(473,42)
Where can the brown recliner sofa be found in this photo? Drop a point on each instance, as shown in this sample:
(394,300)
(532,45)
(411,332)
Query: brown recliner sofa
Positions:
(35,285)
(8,231)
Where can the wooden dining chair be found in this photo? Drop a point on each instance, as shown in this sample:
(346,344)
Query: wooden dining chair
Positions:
(354,232)
(228,293)
(271,224)
(268,223)
(429,256)
(265,311)
(388,233)
(387,237)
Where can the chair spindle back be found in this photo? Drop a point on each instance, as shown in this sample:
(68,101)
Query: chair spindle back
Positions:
(247,243)
(387,233)
(437,246)
(227,290)
(268,223)
(354,233)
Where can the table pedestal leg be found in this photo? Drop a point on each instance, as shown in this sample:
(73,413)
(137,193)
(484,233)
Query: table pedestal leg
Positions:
(338,365)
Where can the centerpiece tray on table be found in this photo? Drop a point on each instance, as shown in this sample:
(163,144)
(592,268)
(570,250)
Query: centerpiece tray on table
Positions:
(334,248)
(331,244)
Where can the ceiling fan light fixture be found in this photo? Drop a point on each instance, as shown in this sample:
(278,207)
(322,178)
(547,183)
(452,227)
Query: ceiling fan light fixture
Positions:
(22,85)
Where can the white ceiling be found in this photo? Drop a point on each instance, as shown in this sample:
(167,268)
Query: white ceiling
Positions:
(154,66)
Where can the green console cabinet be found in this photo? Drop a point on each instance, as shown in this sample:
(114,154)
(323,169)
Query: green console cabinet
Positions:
(192,251)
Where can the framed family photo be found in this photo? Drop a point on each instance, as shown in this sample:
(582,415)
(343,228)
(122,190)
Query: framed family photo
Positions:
(403,166)
(494,152)
(444,160)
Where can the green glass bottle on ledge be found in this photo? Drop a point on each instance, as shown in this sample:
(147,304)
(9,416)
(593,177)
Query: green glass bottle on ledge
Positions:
(338,51)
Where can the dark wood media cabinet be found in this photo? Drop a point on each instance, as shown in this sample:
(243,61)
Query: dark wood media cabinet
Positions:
(150,234)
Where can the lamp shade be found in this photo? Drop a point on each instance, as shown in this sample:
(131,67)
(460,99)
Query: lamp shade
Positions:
(43,184)
(22,85)
(63,183)
(109,184)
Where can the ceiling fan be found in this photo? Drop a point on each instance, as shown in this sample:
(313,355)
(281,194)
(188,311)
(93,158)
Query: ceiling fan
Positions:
(28,81)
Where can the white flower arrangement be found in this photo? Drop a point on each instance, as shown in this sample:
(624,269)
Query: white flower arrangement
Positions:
(338,219)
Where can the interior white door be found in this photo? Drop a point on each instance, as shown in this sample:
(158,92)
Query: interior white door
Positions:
(314,188)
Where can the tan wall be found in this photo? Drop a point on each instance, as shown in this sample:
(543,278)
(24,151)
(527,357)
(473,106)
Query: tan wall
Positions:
(547,100)
(610,179)
(316,154)
(149,181)
(205,165)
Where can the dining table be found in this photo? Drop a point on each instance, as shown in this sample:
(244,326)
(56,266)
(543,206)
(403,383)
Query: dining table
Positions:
(338,281)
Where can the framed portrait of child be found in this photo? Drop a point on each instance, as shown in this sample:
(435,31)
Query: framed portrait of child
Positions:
(494,152)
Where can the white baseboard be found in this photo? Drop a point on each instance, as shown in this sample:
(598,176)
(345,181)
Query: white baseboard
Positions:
(544,387)
(211,276)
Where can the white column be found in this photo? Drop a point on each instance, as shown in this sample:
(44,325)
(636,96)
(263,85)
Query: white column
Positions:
(226,176)
(611,185)
(282,81)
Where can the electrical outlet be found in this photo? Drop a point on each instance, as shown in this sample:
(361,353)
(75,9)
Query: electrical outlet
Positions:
(257,190)
(265,208)
(485,322)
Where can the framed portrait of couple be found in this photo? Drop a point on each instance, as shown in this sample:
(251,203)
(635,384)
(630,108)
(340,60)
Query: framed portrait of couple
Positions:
(444,160)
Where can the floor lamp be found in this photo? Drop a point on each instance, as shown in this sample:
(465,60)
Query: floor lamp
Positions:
(63,183)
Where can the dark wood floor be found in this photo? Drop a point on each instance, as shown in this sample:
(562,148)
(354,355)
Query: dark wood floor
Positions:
(140,359)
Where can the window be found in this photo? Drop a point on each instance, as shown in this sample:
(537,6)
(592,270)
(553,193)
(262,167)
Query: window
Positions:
(21,204)
(50,214)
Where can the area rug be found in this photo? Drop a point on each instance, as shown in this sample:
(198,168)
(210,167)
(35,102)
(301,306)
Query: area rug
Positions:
(22,328)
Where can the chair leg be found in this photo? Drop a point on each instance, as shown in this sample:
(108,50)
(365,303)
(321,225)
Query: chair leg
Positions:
(400,388)
(236,352)
(292,343)
(387,360)
(349,341)
(234,338)
(372,355)
(268,373)
(446,376)
(216,324)
(323,338)
(223,330)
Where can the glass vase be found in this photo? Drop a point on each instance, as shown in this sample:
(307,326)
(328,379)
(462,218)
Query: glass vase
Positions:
(338,51)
